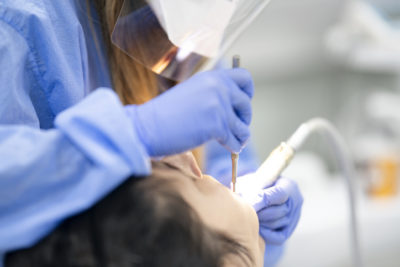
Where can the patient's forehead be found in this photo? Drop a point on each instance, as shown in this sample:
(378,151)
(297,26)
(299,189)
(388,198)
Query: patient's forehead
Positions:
(185,163)
(217,207)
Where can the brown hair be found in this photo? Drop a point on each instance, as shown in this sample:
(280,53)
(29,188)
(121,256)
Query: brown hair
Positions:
(134,83)
(143,223)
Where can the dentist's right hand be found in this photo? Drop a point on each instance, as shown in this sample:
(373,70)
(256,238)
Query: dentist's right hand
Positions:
(210,105)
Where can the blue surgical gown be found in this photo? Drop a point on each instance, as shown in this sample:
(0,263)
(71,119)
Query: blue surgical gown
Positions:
(61,148)
(65,140)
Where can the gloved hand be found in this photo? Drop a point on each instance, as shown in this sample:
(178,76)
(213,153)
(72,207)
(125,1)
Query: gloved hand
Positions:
(278,208)
(210,105)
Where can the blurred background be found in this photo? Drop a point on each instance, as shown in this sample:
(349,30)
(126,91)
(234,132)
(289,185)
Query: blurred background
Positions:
(339,60)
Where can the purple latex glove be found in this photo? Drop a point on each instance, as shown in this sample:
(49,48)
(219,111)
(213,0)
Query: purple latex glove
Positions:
(211,105)
(278,208)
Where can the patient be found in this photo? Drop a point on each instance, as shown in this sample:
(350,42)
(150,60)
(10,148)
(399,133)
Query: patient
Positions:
(175,217)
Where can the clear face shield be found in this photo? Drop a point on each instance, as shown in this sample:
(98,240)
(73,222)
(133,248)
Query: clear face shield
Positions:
(177,38)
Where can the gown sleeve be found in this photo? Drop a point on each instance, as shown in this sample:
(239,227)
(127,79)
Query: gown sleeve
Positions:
(48,175)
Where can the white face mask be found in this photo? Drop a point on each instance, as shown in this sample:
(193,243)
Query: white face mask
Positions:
(197,25)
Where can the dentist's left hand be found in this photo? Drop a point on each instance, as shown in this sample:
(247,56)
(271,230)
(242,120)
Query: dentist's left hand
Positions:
(278,208)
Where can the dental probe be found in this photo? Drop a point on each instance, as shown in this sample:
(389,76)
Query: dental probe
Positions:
(234,156)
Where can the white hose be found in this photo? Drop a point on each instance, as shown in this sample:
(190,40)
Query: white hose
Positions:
(280,157)
(343,156)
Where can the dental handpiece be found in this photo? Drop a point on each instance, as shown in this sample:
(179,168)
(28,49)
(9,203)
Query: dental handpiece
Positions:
(234,156)
(280,158)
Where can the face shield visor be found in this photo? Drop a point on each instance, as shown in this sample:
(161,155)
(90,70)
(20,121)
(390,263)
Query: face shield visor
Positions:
(177,38)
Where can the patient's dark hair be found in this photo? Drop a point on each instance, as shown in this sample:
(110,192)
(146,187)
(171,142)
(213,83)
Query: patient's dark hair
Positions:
(141,223)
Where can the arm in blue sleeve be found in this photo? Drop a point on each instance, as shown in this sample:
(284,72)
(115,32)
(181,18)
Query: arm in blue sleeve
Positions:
(273,254)
(218,162)
(46,176)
